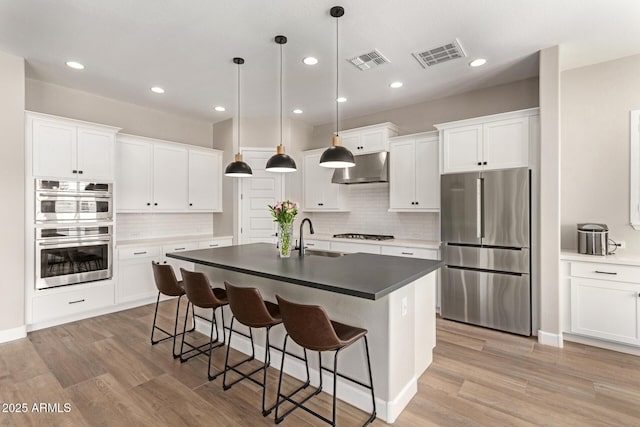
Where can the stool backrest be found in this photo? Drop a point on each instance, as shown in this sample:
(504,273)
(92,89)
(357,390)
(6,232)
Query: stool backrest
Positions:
(198,289)
(308,325)
(166,281)
(248,306)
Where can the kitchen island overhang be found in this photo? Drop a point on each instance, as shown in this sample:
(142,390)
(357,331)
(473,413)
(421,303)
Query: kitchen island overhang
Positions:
(392,297)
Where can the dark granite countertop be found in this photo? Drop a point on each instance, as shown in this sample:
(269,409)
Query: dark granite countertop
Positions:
(360,275)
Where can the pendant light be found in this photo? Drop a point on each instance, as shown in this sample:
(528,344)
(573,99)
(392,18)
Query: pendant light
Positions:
(337,156)
(280,162)
(238,168)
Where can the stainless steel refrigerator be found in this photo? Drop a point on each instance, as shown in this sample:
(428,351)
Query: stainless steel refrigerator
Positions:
(485,229)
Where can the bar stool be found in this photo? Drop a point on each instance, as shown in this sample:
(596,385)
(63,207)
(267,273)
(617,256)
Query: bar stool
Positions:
(248,307)
(168,285)
(309,326)
(201,294)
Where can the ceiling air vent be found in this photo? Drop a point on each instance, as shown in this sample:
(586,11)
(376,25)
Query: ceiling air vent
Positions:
(440,54)
(368,60)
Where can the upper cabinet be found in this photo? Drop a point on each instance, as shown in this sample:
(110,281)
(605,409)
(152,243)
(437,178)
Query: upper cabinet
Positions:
(320,194)
(369,139)
(159,176)
(70,149)
(414,176)
(499,141)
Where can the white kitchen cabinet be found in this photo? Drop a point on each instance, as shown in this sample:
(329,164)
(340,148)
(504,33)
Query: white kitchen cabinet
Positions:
(215,243)
(410,252)
(170,177)
(56,303)
(159,176)
(135,274)
(369,139)
(414,176)
(177,263)
(68,149)
(602,301)
(320,194)
(205,180)
(320,245)
(499,141)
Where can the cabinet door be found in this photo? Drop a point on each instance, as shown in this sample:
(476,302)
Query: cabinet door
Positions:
(402,175)
(54,150)
(352,142)
(462,149)
(177,264)
(205,180)
(95,154)
(506,144)
(373,141)
(170,178)
(605,309)
(319,192)
(135,279)
(355,247)
(133,176)
(427,174)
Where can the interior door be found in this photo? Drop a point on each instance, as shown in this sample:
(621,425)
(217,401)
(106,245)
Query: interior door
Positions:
(460,216)
(506,207)
(262,189)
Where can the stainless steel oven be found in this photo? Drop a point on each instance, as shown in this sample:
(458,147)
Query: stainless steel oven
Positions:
(66,255)
(64,201)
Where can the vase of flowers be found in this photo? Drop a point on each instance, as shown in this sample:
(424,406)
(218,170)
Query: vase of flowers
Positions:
(284,213)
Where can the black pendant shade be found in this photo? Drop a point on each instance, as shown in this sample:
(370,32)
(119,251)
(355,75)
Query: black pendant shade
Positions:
(337,156)
(280,162)
(238,168)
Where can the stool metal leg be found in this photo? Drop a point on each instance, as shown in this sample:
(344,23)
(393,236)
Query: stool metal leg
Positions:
(373,396)
(228,367)
(168,334)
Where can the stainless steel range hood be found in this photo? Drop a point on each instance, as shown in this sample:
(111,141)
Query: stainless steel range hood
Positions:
(372,167)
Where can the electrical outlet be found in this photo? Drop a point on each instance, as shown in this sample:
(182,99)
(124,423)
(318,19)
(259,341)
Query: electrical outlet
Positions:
(405,306)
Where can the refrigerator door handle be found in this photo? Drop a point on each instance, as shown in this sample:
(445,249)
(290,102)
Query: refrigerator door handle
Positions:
(479,207)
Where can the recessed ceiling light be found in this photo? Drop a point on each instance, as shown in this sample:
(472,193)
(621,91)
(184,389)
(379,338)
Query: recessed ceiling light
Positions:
(396,85)
(157,89)
(75,65)
(297,111)
(220,108)
(477,62)
(310,60)
(341,99)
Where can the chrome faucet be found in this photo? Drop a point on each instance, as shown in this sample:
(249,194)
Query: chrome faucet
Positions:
(301,247)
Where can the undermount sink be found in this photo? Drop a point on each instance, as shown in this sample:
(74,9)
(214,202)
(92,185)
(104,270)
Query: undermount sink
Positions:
(329,254)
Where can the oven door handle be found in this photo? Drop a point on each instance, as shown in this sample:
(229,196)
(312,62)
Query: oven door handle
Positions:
(77,242)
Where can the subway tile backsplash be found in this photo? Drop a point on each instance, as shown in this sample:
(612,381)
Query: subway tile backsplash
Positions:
(152,225)
(368,205)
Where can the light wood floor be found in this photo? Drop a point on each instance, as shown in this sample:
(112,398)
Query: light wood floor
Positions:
(108,372)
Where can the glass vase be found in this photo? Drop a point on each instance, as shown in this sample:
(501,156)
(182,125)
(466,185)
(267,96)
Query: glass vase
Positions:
(284,239)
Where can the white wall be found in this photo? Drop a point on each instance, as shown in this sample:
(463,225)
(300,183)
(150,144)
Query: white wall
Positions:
(12,210)
(595,148)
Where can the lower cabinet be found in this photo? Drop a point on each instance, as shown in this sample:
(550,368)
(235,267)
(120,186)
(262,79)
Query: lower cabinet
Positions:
(71,300)
(355,247)
(176,263)
(410,252)
(603,301)
(135,276)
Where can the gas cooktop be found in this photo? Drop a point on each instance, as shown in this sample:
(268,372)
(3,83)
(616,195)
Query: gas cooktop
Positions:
(363,236)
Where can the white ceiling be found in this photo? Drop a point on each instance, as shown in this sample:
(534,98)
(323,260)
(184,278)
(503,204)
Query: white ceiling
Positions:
(186,47)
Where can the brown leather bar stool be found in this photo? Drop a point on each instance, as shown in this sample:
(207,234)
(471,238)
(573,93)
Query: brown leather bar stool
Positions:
(248,308)
(201,294)
(168,285)
(309,326)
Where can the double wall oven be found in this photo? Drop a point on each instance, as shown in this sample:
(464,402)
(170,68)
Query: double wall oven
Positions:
(74,232)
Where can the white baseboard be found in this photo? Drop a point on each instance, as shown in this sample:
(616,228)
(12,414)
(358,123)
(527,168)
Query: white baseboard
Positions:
(355,395)
(623,348)
(13,334)
(548,338)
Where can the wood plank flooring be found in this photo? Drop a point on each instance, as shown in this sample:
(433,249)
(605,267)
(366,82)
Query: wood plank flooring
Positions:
(108,372)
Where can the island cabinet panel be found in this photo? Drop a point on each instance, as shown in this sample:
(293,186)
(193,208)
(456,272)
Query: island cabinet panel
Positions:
(70,149)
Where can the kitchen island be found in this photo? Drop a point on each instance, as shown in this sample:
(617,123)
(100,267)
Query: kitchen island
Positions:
(393,297)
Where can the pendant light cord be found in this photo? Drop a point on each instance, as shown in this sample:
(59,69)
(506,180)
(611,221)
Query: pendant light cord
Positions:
(280,94)
(238,108)
(337,76)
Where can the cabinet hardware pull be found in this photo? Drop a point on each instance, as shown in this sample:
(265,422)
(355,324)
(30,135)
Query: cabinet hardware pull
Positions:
(320,204)
(76,302)
(479,163)
(190,204)
(484,163)
(140,253)
(179,249)
(155,204)
(311,244)
(417,203)
(148,204)
(606,272)
(80,172)
(406,253)
(213,246)
(74,171)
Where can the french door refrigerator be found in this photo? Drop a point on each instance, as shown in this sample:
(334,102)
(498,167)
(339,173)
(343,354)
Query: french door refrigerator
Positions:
(485,229)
